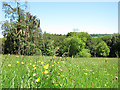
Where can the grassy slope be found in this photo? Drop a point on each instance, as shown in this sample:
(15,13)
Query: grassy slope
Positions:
(76,72)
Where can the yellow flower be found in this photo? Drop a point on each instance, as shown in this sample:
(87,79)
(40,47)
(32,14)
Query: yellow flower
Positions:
(37,80)
(17,61)
(85,73)
(63,62)
(46,66)
(22,62)
(56,84)
(52,65)
(105,85)
(34,74)
(58,73)
(58,62)
(45,72)
(33,65)
(9,65)
(34,68)
(61,70)
(60,84)
(54,62)
(42,62)
(48,75)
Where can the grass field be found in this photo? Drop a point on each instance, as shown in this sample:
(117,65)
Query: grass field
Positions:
(58,72)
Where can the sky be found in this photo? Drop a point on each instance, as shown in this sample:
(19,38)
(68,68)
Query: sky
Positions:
(64,17)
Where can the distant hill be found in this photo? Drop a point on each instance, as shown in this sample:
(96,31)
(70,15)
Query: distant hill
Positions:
(99,35)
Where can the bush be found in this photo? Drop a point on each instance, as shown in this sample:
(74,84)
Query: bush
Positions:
(83,53)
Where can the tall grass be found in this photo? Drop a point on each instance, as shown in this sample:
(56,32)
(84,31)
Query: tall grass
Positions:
(57,72)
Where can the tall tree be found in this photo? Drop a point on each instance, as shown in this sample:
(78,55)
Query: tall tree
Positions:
(23,31)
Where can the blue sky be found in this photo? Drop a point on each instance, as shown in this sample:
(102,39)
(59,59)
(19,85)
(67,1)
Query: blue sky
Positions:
(63,17)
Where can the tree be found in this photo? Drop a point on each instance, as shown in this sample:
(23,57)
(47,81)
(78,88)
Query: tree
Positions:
(102,49)
(73,45)
(22,32)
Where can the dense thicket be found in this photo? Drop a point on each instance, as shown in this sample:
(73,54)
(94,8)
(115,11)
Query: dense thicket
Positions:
(23,35)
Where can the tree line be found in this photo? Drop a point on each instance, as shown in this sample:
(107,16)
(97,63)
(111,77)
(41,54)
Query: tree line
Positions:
(23,36)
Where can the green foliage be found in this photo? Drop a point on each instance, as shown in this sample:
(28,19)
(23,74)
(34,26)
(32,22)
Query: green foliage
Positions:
(73,45)
(22,33)
(83,53)
(102,49)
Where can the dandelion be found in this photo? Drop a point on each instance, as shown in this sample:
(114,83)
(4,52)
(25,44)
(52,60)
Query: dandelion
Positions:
(56,84)
(85,73)
(52,65)
(33,65)
(22,62)
(37,80)
(46,66)
(17,61)
(9,65)
(42,62)
(58,73)
(34,74)
(45,72)
(105,85)
(34,68)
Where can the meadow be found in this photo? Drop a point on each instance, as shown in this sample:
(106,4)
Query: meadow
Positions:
(58,72)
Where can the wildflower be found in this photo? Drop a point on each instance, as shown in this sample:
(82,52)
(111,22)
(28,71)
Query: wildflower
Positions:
(58,73)
(61,70)
(105,85)
(58,62)
(52,65)
(56,84)
(46,66)
(34,74)
(30,64)
(63,62)
(42,62)
(33,65)
(37,80)
(85,73)
(60,84)
(34,45)
(48,75)
(45,72)
(34,68)
(17,56)
(22,62)
(17,61)
(116,78)
(9,65)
